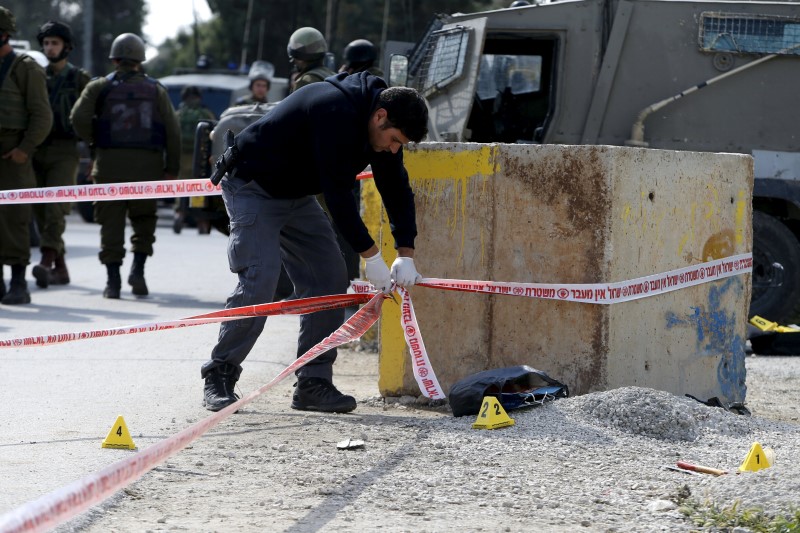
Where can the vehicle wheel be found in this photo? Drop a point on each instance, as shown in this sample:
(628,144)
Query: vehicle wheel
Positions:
(776,270)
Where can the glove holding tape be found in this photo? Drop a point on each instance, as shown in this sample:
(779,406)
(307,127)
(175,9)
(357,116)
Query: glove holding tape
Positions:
(404,273)
(378,273)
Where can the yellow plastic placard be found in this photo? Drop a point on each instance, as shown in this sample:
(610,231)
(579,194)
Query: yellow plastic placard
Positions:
(119,437)
(492,415)
(765,325)
(757,459)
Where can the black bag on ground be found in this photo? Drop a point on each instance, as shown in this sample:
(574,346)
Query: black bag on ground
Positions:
(514,387)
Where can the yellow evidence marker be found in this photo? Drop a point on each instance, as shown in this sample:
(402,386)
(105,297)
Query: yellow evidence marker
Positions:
(119,437)
(492,415)
(757,458)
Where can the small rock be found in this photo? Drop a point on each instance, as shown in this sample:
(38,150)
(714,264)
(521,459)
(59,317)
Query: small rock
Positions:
(661,505)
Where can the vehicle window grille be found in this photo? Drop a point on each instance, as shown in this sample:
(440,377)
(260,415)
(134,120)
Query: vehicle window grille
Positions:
(749,34)
(418,53)
(444,59)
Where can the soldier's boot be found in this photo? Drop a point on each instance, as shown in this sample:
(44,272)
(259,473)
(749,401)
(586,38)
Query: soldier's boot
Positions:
(218,392)
(136,277)
(17,288)
(41,272)
(114,283)
(59,275)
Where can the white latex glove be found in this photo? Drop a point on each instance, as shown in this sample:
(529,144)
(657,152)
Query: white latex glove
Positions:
(404,273)
(378,273)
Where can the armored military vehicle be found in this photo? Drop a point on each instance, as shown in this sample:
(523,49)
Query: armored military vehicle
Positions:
(671,74)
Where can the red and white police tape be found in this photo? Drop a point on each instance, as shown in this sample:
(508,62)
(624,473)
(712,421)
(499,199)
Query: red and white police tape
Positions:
(138,190)
(607,293)
(66,502)
(97,192)
(423,370)
(292,307)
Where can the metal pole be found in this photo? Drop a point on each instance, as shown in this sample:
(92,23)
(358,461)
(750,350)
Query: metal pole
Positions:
(385,28)
(88,33)
(246,36)
(328,20)
(261,30)
(194,34)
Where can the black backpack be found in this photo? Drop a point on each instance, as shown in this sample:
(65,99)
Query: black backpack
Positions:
(514,387)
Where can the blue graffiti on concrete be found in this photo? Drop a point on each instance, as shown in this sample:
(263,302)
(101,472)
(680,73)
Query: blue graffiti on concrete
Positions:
(716,335)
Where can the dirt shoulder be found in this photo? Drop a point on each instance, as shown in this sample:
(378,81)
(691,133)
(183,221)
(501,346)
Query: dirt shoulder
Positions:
(271,468)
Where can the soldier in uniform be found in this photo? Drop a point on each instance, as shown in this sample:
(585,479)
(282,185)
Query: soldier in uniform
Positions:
(360,55)
(56,161)
(25,121)
(190,111)
(307,48)
(260,77)
(129,121)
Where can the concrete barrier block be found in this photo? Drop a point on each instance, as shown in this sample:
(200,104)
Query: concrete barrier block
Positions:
(577,214)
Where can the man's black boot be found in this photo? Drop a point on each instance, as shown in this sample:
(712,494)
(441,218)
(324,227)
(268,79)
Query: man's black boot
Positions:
(17,288)
(319,394)
(136,277)
(218,392)
(114,283)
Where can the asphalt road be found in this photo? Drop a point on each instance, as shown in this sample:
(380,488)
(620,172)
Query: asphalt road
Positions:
(59,398)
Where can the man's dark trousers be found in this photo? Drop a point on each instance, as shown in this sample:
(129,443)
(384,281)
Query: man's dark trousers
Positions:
(264,232)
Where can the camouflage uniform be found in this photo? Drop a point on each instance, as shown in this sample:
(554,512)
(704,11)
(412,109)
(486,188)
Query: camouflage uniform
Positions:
(115,164)
(56,164)
(312,74)
(25,121)
(188,117)
(189,114)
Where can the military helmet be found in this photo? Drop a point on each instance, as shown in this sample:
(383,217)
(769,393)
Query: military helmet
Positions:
(261,70)
(7,22)
(307,44)
(54,28)
(127,46)
(360,51)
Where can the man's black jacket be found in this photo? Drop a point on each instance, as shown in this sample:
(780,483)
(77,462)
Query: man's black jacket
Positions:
(315,141)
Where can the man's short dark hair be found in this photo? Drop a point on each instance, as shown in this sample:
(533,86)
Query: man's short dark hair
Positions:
(406,110)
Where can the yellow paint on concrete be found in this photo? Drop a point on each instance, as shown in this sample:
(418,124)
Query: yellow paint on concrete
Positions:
(626,212)
(451,164)
(371,208)
(741,212)
(392,362)
(688,235)
(430,173)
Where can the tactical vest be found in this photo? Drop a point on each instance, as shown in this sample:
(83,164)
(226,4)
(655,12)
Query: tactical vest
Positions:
(64,90)
(128,116)
(13,112)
